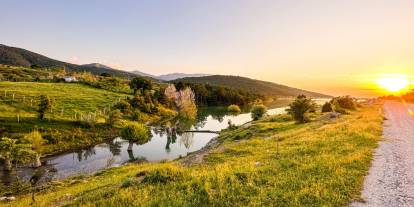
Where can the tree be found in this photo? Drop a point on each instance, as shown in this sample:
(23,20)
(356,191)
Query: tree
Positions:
(327,107)
(300,108)
(258,111)
(11,151)
(234,108)
(183,100)
(36,140)
(44,105)
(136,133)
(114,117)
(140,84)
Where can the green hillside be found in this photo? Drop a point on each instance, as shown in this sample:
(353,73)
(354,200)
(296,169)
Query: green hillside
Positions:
(252,85)
(21,57)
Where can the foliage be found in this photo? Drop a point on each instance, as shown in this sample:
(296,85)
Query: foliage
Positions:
(284,164)
(136,115)
(35,139)
(124,106)
(136,132)
(44,105)
(300,108)
(258,111)
(11,151)
(184,101)
(234,108)
(140,84)
(210,95)
(345,102)
(327,107)
(114,117)
(248,85)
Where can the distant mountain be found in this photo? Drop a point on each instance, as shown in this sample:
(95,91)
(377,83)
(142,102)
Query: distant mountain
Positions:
(173,76)
(137,72)
(252,85)
(170,76)
(21,57)
(98,65)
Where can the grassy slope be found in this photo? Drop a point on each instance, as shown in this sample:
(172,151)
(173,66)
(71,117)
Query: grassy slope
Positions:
(271,163)
(72,98)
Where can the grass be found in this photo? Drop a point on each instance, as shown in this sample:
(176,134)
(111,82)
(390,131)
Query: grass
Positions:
(69,100)
(270,163)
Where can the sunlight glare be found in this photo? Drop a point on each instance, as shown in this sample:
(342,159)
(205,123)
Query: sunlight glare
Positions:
(393,82)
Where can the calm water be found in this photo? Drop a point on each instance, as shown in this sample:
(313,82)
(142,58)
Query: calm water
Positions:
(160,147)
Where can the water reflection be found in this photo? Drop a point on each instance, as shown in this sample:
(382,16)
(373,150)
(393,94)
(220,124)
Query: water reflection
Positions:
(168,142)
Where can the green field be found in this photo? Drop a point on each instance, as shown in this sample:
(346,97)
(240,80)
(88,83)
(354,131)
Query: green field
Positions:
(69,101)
(71,98)
(273,162)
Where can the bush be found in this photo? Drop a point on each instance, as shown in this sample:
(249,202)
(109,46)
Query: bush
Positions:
(345,102)
(136,132)
(136,115)
(234,108)
(114,117)
(123,106)
(300,108)
(327,107)
(258,111)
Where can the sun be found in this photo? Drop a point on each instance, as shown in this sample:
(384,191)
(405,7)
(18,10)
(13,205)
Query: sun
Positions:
(393,83)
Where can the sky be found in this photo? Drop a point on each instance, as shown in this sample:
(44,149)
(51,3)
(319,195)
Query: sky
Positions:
(333,47)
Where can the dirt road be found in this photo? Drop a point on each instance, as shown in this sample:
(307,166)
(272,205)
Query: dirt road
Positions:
(391,177)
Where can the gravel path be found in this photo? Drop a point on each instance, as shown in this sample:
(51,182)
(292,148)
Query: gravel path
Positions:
(390,181)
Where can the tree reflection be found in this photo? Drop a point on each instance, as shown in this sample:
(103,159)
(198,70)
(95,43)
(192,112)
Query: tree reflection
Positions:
(187,139)
(115,147)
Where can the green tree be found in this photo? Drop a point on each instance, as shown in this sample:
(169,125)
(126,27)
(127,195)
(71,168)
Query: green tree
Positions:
(136,133)
(44,105)
(11,151)
(36,141)
(258,111)
(234,108)
(140,84)
(327,107)
(300,108)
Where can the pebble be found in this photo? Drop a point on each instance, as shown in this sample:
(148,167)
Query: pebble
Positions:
(4,198)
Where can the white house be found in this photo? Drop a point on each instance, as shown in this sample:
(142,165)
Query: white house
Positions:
(70,79)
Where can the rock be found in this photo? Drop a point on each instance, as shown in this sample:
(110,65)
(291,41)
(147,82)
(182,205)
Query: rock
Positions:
(4,198)
(257,164)
(330,116)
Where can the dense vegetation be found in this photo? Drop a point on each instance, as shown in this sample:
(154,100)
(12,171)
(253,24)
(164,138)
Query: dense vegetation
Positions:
(209,95)
(272,162)
(253,86)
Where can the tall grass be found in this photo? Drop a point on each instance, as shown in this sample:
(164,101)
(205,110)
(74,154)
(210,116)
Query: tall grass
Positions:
(270,163)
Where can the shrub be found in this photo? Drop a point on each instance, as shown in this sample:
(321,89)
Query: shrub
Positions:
(300,108)
(234,108)
(345,102)
(136,133)
(44,105)
(136,115)
(258,111)
(114,117)
(123,106)
(327,107)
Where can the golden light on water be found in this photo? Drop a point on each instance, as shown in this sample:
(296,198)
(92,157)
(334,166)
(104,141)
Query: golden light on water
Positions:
(393,83)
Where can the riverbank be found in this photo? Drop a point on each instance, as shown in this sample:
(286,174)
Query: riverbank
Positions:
(272,161)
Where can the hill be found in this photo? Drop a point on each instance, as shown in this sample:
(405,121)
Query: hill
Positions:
(253,86)
(174,76)
(20,57)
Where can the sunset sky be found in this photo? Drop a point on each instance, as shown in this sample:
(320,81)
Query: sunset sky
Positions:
(335,47)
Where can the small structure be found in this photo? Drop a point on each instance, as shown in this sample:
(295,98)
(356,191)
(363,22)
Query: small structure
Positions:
(70,79)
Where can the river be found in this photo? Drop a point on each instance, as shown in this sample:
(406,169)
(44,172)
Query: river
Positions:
(160,147)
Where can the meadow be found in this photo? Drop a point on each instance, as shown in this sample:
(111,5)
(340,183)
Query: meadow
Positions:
(271,162)
(18,113)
